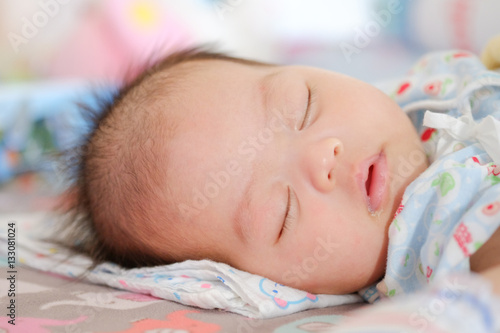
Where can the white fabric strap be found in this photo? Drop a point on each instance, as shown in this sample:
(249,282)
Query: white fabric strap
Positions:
(486,132)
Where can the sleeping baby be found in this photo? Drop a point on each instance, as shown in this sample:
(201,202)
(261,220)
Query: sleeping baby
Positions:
(310,178)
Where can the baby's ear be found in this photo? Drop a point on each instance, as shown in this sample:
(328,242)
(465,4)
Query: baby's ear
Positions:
(491,53)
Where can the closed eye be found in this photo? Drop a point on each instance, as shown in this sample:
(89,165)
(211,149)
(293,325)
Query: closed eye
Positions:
(289,214)
(311,98)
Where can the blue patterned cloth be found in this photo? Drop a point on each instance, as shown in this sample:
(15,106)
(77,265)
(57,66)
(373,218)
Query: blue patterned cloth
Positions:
(452,208)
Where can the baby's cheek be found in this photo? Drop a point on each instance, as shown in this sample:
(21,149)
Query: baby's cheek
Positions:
(321,211)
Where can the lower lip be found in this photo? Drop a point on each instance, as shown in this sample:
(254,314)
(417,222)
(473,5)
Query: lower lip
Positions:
(378,184)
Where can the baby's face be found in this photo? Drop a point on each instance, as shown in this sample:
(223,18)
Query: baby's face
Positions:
(292,173)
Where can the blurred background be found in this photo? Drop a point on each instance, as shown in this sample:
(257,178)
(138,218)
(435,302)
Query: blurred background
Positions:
(57,53)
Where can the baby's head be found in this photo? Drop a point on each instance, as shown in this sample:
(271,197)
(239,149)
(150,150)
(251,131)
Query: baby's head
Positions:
(293,173)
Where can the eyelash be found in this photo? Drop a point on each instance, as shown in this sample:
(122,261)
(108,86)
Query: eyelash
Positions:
(311,99)
(289,214)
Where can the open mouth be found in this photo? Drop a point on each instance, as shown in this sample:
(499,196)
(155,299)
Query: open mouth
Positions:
(369,180)
(373,180)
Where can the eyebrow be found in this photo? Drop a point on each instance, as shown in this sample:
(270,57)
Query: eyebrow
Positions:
(243,226)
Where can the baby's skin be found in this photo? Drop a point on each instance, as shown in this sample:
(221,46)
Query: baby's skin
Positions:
(293,173)
(486,261)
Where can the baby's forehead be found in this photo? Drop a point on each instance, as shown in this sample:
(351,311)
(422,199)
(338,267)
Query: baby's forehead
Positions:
(218,111)
(202,84)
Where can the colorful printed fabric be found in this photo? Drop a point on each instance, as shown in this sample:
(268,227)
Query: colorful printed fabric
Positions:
(453,208)
(38,120)
(455,303)
(201,283)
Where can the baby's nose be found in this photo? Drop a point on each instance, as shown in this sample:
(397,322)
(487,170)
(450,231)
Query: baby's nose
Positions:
(323,162)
